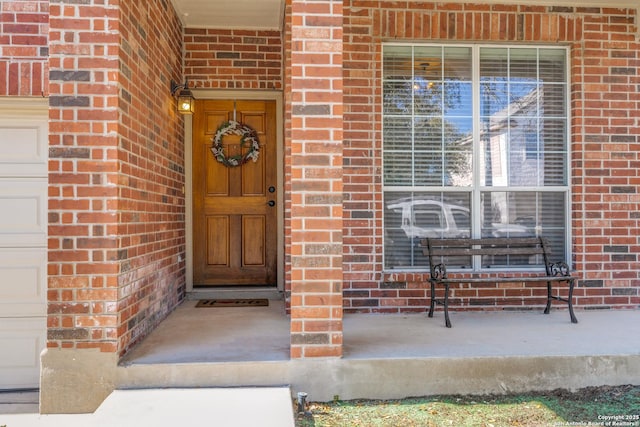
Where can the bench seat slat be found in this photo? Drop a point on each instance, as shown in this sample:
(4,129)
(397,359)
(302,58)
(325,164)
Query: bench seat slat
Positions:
(506,279)
(437,251)
(498,241)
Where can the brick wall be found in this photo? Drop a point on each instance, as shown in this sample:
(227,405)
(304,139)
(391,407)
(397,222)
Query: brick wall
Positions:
(233,59)
(116,208)
(24,28)
(605,101)
(151,211)
(314,177)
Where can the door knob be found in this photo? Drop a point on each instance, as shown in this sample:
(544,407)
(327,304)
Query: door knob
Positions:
(272,189)
(271,203)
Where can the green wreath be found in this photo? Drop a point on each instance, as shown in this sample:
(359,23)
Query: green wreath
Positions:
(248,137)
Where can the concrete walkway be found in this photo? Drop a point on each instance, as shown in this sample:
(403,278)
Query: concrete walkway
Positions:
(220,407)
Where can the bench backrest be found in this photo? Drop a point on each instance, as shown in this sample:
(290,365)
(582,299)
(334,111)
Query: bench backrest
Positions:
(435,248)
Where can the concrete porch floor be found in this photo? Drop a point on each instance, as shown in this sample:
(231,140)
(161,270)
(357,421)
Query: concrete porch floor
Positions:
(391,356)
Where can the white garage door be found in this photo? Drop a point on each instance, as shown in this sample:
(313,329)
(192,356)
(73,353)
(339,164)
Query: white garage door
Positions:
(23,239)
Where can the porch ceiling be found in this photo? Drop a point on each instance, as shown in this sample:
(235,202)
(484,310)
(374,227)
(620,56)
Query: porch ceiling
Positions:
(269,14)
(231,14)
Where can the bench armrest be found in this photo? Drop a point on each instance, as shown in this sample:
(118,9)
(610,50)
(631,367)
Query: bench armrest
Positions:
(439,272)
(559,269)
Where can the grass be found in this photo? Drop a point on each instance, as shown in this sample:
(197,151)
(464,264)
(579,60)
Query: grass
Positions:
(593,406)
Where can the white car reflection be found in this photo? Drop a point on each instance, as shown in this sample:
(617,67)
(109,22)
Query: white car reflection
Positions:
(424,217)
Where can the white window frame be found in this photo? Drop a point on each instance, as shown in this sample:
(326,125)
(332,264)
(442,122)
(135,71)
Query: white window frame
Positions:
(476,189)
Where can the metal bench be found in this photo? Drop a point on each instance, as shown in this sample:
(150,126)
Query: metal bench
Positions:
(439,250)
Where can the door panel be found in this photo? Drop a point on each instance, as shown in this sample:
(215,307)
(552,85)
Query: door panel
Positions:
(23,282)
(23,146)
(253,238)
(218,240)
(23,212)
(22,341)
(234,223)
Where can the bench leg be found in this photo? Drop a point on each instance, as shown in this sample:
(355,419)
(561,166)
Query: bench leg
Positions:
(574,319)
(569,300)
(549,298)
(447,322)
(433,299)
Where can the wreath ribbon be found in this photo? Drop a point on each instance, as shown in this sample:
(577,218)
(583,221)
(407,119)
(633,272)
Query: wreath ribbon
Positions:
(248,138)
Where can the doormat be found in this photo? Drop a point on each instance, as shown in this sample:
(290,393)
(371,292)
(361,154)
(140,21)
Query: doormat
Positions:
(247,302)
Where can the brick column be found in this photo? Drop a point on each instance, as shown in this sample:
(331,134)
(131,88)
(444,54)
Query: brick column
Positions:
(82,326)
(116,202)
(83,174)
(316,126)
(116,224)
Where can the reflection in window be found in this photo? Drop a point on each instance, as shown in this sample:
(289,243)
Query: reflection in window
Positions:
(473,151)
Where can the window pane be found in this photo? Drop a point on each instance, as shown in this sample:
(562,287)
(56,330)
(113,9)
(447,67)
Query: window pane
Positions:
(397,63)
(494,158)
(508,214)
(523,99)
(428,63)
(555,169)
(504,159)
(493,96)
(523,64)
(553,97)
(553,134)
(398,168)
(457,98)
(397,133)
(553,222)
(517,158)
(516,107)
(428,168)
(494,73)
(458,170)
(552,65)
(410,217)
(525,214)
(552,210)
(399,250)
(428,98)
(428,133)
(493,60)
(457,63)
(524,158)
(398,98)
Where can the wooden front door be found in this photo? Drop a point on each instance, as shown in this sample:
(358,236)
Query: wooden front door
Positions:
(234,207)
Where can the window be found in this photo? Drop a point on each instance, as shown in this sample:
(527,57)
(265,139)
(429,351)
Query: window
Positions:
(475,144)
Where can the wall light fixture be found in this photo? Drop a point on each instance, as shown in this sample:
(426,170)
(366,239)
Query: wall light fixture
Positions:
(184,96)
